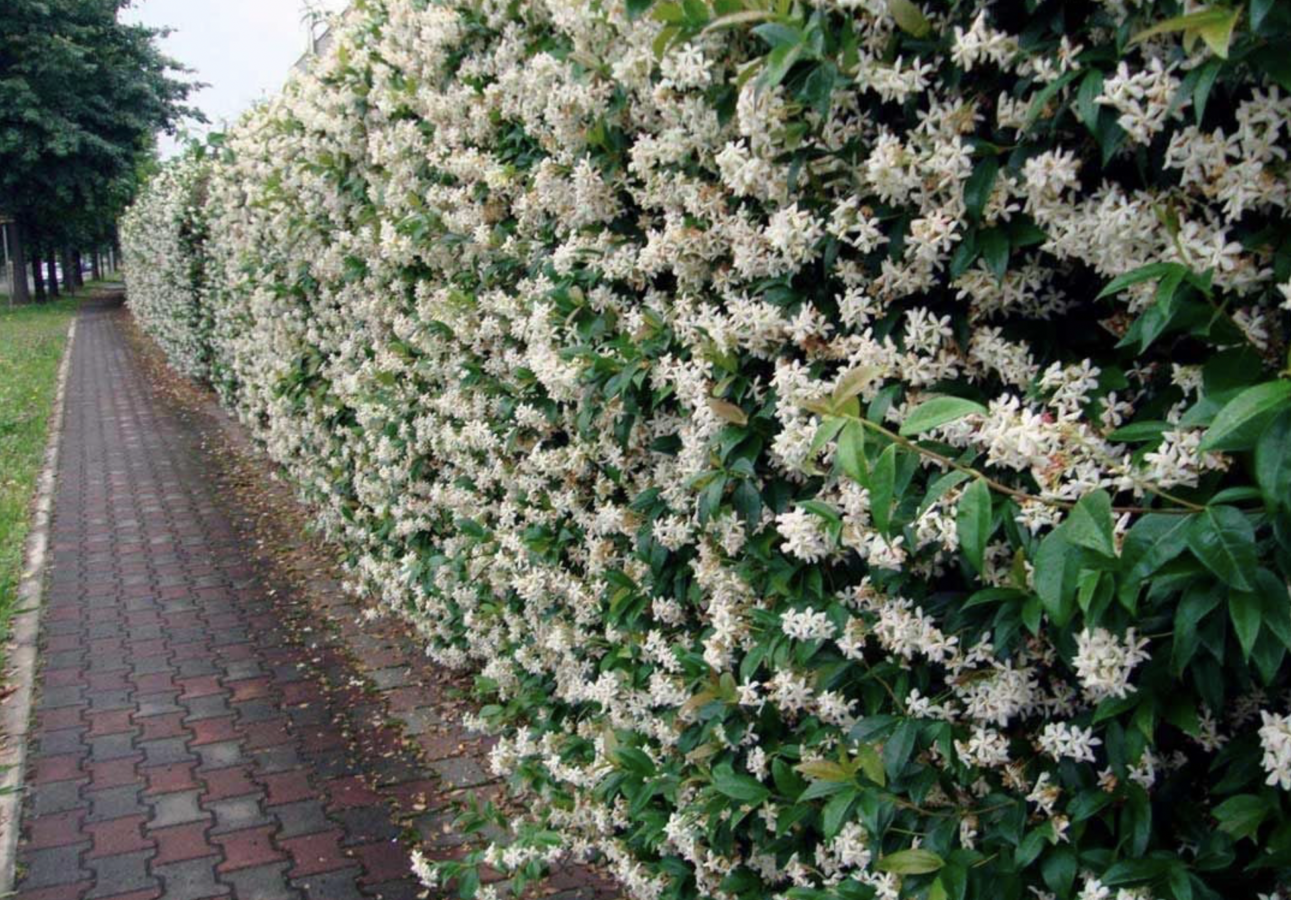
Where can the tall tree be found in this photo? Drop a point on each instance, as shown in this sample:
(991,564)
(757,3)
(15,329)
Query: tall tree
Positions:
(82,96)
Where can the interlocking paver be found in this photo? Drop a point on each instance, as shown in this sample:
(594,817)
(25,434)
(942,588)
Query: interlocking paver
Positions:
(201,731)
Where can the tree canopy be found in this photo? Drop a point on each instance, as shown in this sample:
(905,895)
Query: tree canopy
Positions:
(82,95)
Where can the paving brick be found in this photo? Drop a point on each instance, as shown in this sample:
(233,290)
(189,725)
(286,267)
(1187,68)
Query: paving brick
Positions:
(267,882)
(287,787)
(234,781)
(164,752)
(114,772)
(64,767)
(56,798)
(113,803)
(238,812)
(181,842)
(74,891)
(219,755)
(248,847)
(53,865)
(382,861)
(56,830)
(190,880)
(120,874)
(315,853)
(173,777)
(301,818)
(123,835)
(176,808)
(342,885)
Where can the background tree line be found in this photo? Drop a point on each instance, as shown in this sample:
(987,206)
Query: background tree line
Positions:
(82,96)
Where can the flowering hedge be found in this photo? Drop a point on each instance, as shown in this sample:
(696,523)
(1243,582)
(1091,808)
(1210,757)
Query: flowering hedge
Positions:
(848,440)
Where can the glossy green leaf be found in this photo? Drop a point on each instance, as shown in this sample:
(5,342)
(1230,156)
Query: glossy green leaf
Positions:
(909,17)
(1244,608)
(973,522)
(1241,421)
(910,862)
(1273,461)
(737,786)
(1089,525)
(1223,539)
(938,411)
(882,484)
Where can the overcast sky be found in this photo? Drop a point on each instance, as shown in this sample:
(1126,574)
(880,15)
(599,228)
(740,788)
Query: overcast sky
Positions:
(243,49)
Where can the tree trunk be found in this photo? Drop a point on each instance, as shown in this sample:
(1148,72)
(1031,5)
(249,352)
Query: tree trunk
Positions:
(38,276)
(52,262)
(96,269)
(18,257)
(78,279)
(69,279)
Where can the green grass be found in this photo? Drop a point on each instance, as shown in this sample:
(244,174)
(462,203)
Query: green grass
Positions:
(31,346)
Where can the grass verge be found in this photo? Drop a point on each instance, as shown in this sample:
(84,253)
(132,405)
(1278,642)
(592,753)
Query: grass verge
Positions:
(31,345)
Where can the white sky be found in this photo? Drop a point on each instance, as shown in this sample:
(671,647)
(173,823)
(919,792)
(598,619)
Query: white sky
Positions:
(243,49)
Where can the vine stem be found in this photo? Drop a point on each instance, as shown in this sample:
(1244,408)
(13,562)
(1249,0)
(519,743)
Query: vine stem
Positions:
(1187,506)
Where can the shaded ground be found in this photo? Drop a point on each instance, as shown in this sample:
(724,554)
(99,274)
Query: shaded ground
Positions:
(214,719)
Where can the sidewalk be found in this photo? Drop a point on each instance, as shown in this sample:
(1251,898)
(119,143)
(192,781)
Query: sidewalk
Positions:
(200,729)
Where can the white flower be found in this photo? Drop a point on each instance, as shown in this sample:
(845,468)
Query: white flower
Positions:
(1275,740)
(1104,663)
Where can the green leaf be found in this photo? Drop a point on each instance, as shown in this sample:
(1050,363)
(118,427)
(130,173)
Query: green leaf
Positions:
(1153,541)
(938,411)
(748,503)
(1273,462)
(1244,609)
(1223,539)
(1205,83)
(728,412)
(1139,431)
(871,765)
(1151,272)
(1090,524)
(882,484)
(835,812)
(909,18)
(736,19)
(1059,870)
(1241,421)
(853,382)
(1276,614)
(973,522)
(851,452)
(778,63)
(1259,11)
(995,251)
(977,189)
(1214,26)
(1242,815)
(910,862)
(1057,566)
(1087,105)
(1197,603)
(744,788)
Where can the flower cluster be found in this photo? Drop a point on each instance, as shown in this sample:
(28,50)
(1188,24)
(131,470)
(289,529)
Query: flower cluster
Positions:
(845,438)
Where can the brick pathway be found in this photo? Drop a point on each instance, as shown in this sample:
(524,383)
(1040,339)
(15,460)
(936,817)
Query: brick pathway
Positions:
(198,734)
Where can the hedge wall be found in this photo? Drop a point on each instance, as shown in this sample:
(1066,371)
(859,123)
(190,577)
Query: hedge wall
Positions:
(849,440)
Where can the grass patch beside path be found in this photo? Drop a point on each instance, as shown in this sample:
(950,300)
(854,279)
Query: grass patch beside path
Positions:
(31,346)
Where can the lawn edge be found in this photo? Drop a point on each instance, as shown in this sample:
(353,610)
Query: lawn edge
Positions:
(15,711)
